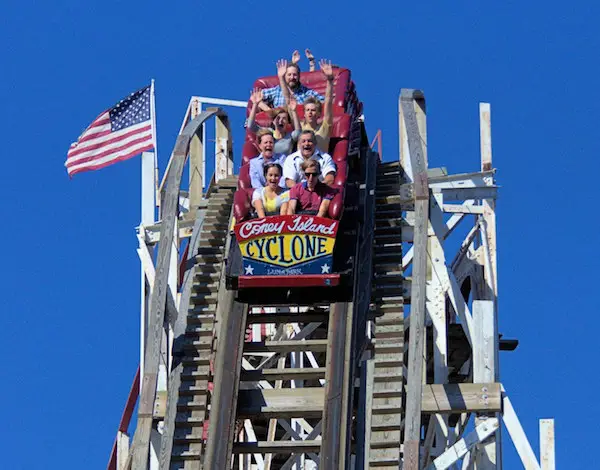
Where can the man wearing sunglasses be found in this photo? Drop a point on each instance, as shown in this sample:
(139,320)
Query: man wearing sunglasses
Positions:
(310,196)
(307,150)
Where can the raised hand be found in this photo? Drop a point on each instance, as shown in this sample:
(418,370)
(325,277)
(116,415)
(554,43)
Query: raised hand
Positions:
(326,68)
(292,104)
(282,65)
(296,57)
(311,59)
(256,96)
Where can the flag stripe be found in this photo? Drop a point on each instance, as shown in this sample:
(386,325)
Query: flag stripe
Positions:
(99,124)
(116,147)
(109,160)
(117,134)
(106,141)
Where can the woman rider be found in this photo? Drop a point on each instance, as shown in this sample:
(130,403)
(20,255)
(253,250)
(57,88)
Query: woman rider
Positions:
(272,199)
(285,142)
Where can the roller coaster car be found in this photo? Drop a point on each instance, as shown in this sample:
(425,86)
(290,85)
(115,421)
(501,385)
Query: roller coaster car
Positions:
(301,250)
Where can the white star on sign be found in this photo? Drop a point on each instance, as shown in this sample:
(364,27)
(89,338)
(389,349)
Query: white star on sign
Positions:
(325,269)
(249,269)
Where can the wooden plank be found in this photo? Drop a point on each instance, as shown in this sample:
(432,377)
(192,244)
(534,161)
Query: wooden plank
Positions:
(281,402)
(458,398)
(282,374)
(412,102)
(287,346)
(547,459)
(335,411)
(276,447)
(156,316)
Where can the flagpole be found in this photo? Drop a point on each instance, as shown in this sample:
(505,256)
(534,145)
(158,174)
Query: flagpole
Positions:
(154,140)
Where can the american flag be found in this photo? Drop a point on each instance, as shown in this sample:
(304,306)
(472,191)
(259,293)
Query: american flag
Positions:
(119,133)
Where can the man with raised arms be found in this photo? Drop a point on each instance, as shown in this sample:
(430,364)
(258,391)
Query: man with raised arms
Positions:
(307,150)
(289,84)
(313,111)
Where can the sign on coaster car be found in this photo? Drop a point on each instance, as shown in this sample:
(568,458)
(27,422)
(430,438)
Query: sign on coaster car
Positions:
(286,245)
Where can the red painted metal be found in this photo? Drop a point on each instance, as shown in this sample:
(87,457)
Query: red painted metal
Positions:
(303,280)
(126,417)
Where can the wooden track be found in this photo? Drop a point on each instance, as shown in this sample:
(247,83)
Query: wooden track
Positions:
(197,349)
(385,376)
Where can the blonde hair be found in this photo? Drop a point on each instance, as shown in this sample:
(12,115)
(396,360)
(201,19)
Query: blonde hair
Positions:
(315,101)
(310,163)
(262,132)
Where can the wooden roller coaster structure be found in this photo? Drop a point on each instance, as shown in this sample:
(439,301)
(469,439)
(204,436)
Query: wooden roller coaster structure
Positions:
(404,373)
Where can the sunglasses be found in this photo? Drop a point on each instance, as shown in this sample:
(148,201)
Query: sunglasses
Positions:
(308,175)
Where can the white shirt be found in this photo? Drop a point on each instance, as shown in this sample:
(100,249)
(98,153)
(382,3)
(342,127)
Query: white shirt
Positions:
(292,170)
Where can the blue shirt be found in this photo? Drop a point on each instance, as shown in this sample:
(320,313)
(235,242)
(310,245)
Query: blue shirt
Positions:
(274,96)
(257,174)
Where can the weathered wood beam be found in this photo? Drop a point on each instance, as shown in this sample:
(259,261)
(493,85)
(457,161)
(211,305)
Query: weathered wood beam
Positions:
(337,382)
(413,127)
(437,398)
(230,343)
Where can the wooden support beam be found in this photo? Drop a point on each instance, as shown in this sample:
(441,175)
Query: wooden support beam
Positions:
(122,450)
(413,129)
(223,149)
(437,398)
(337,382)
(228,362)
(197,163)
(458,398)
(485,344)
(547,444)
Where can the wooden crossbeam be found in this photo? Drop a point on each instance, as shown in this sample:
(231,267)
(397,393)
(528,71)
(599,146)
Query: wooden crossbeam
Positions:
(460,449)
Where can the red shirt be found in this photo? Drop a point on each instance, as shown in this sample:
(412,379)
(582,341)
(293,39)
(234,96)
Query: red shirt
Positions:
(311,200)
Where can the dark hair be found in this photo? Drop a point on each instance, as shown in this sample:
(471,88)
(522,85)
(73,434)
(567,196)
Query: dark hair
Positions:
(296,66)
(272,165)
(313,136)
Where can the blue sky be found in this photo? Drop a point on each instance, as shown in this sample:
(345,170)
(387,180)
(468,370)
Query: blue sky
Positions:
(70,277)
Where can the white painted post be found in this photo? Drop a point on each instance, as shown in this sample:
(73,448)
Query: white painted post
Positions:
(484,365)
(436,308)
(148,208)
(547,444)
(122,450)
